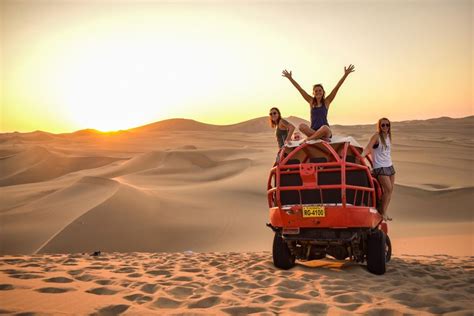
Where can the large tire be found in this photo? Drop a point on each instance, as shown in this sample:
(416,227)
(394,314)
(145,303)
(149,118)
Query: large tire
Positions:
(388,249)
(282,257)
(376,246)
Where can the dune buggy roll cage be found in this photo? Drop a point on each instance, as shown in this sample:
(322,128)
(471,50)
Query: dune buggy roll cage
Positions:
(314,174)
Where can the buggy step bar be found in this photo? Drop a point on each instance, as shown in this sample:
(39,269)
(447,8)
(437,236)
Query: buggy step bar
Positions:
(321,239)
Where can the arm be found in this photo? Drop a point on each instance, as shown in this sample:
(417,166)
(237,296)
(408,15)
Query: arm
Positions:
(290,127)
(306,96)
(333,93)
(371,144)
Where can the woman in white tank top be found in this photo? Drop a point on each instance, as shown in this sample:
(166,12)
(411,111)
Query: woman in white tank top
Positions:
(380,145)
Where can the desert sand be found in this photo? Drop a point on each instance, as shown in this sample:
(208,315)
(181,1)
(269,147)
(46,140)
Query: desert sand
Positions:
(231,283)
(189,199)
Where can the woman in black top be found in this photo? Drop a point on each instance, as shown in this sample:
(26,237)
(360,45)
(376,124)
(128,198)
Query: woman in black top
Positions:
(319,106)
(284,129)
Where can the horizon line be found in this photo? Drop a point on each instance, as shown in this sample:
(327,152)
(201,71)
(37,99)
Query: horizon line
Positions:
(218,125)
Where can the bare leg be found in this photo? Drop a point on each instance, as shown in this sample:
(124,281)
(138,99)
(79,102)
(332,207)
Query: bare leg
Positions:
(392,186)
(323,132)
(305,129)
(387,193)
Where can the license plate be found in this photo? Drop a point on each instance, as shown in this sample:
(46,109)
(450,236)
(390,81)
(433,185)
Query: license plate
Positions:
(314,211)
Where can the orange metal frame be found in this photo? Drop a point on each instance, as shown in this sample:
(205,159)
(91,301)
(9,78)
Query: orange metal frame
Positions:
(336,216)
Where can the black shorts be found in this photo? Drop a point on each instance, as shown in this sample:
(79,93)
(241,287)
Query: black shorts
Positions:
(384,171)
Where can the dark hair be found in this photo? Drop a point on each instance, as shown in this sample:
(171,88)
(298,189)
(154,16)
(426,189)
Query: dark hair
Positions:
(323,99)
(379,130)
(272,123)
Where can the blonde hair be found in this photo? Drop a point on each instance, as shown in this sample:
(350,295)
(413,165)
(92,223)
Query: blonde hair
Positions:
(379,131)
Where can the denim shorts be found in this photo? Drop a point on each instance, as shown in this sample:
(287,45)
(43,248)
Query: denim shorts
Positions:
(384,171)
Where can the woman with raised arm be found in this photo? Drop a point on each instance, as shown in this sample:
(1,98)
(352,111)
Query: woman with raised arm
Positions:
(319,106)
(380,145)
(284,129)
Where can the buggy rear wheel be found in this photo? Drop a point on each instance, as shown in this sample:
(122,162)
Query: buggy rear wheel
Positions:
(376,252)
(282,257)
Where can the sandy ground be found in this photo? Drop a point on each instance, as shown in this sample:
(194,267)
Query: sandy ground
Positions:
(231,283)
(177,186)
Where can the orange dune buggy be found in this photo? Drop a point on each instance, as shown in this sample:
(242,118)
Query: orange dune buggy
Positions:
(323,201)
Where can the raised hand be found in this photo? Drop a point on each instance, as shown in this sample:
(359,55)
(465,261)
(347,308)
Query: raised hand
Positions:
(286,74)
(349,69)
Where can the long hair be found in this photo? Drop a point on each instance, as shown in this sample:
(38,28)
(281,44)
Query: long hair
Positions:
(272,123)
(379,130)
(323,99)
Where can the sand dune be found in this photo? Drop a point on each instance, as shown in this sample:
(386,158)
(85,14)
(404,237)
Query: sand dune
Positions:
(39,164)
(25,230)
(168,189)
(435,205)
(231,283)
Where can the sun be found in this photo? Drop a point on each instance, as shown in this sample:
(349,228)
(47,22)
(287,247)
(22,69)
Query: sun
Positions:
(122,83)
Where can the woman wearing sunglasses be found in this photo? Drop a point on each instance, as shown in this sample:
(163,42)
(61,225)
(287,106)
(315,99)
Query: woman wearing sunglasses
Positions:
(319,106)
(284,129)
(380,145)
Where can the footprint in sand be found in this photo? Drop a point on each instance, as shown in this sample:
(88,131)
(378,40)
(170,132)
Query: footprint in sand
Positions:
(165,273)
(70,262)
(104,282)
(86,277)
(382,312)
(191,270)
(111,310)
(205,302)
(247,285)
(134,275)
(164,302)
(75,272)
(6,287)
(30,265)
(263,299)
(54,290)
(13,261)
(242,310)
(96,267)
(350,307)
(102,291)
(267,282)
(138,298)
(353,298)
(125,270)
(58,280)
(220,288)
(292,285)
(292,295)
(26,276)
(181,292)
(149,288)
(311,308)
(182,278)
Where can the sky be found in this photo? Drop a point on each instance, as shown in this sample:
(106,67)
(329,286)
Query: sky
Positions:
(109,65)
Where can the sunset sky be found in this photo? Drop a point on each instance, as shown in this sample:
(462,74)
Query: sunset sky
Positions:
(69,65)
